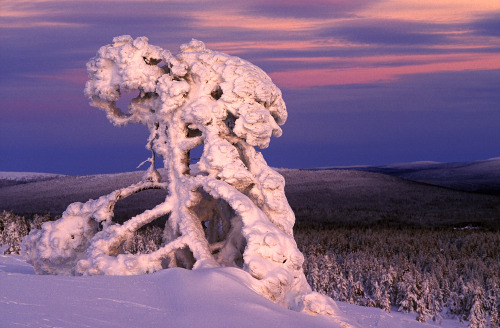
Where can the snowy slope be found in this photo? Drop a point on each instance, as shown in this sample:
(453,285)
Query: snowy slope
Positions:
(56,194)
(349,196)
(477,176)
(358,197)
(27,176)
(14,178)
(413,165)
(169,298)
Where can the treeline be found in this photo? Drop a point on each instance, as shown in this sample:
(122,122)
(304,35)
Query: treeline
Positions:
(432,272)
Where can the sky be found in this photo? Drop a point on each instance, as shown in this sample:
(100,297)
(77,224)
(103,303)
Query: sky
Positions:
(365,82)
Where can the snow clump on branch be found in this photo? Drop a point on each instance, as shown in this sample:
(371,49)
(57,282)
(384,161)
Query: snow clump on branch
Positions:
(227,209)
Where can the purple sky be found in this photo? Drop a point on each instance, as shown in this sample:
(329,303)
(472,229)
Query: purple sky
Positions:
(365,82)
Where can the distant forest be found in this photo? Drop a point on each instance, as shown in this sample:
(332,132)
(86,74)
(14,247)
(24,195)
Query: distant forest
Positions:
(432,272)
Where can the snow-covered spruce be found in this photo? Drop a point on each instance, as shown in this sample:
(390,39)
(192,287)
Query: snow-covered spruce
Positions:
(228,209)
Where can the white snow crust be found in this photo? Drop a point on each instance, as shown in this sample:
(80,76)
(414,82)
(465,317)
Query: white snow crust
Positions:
(210,298)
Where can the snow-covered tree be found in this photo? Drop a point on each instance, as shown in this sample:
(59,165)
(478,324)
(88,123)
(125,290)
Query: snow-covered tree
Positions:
(342,286)
(477,316)
(423,302)
(494,322)
(38,220)
(408,294)
(313,276)
(227,209)
(12,230)
(377,295)
(385,303)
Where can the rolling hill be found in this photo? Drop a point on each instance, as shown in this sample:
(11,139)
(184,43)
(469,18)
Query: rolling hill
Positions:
(357,195)
(477,176)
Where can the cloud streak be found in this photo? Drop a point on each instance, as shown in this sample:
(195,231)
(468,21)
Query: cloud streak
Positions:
(298,79)
(77,76)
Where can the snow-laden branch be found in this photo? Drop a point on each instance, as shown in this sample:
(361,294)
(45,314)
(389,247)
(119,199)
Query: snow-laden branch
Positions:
(226,209)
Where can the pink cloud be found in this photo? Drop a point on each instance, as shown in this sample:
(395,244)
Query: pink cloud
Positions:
(71,75)
(302,79)
(295,45)
(235,18)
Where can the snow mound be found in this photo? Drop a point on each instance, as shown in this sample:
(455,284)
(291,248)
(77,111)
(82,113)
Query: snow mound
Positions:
(183,298)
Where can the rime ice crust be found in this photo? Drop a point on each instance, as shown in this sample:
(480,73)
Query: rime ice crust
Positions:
(228,209)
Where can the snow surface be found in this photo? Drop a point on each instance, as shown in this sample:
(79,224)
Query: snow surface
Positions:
(169,298)
(27,176)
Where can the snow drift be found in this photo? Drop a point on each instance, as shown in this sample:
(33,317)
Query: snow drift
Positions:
(210,298)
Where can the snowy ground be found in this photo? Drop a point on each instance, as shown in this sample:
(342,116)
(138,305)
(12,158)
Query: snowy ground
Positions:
(169,298)
(27,175)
